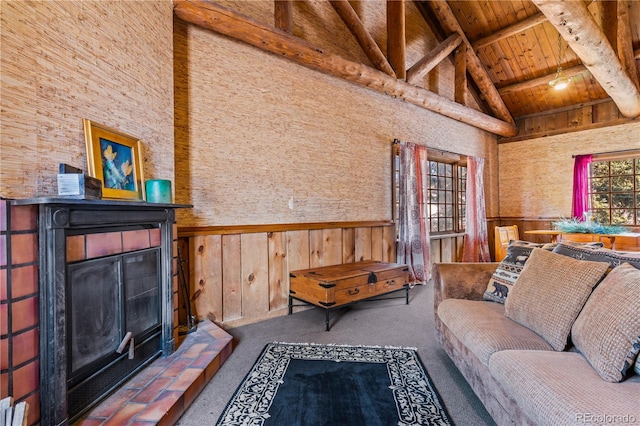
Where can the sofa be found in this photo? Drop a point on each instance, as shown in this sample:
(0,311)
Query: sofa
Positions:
(560,347)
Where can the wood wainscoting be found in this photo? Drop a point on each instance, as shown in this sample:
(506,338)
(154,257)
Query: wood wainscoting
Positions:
(240,274)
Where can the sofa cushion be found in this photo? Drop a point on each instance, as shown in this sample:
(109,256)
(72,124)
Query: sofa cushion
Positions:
(550,292)
(482,327)
(561,388)
(511,266)
(598,254)
(508,270)
(607,331)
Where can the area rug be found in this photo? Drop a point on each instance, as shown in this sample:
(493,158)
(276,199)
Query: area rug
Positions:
(311,384)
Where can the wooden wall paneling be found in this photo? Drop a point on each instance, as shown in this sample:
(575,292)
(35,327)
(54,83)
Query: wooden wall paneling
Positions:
(389,244)
(446,250)
(363,244)
(298,250)
(255,275)
(459,245)
(606,111)
(348,245)
(206,254)
(579,117)
(332,246)
(377,243)
(278,273)
(231,277)
(183,273)
(315,248)
(435,252)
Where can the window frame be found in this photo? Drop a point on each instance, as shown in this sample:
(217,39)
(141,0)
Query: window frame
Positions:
(458,199)
(611,193)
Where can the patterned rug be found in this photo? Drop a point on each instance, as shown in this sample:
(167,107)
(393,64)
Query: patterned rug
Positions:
(310,384)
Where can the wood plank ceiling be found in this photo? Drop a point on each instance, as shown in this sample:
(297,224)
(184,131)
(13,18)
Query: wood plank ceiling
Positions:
(503,53)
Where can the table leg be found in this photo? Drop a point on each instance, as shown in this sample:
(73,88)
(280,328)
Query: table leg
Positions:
(406,286)
(290,305)
(326,320)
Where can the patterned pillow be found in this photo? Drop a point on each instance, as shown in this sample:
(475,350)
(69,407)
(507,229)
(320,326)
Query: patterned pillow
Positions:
(607,331)
(550,292)
(509,269)
(585,252)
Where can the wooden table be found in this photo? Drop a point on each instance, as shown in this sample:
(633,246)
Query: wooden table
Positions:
(330,287)
(555,233)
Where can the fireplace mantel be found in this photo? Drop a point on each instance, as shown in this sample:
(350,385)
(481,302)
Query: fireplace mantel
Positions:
(60,218)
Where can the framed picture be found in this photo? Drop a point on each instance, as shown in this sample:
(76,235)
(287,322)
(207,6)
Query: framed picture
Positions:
(116,159)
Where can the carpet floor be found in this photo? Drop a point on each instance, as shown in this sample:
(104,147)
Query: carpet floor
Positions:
(376,323)
(310,384)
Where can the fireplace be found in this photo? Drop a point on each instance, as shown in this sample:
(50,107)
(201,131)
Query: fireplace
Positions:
(113,323)
(107,289)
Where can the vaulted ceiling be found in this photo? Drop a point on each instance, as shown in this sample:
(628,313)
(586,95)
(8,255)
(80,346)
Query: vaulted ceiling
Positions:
(501,54)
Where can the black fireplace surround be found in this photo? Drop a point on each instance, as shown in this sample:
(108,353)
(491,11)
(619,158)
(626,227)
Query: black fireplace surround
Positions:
(88,308)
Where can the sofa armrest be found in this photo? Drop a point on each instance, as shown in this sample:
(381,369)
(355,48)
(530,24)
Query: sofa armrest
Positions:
(460,280)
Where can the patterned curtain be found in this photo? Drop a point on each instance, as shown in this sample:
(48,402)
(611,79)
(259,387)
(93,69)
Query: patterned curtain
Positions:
(476,241)
(580,203)
(413,247)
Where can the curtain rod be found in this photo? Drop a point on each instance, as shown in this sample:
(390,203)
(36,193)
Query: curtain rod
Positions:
(610,152)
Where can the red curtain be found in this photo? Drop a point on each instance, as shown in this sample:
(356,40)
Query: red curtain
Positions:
(476,241)
(580,203)
(413,242)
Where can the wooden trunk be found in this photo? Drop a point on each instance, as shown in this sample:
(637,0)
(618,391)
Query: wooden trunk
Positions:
(334,286)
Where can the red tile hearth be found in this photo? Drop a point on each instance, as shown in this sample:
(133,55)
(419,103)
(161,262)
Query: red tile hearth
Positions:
(162,392)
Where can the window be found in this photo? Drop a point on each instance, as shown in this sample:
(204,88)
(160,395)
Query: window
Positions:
(614,191)
(447,184)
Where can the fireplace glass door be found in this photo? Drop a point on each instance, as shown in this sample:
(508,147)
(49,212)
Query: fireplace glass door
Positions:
(108,298)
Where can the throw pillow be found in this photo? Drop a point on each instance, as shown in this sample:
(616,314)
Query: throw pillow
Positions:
(586,252)
(607,331)
(550,292)
(508,270)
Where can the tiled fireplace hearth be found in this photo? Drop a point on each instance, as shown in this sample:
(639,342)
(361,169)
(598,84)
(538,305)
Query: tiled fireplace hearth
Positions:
(76,278)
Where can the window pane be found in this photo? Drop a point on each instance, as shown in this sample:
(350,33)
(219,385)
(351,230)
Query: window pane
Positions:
(434,226)
(600,169)
(622,167)
(601,216)
(622,200)
(621,216)
(600,184)
(448,210)
(448,170)
(449,197)
(600,201)
(622,183)
(440,169)
(449,225)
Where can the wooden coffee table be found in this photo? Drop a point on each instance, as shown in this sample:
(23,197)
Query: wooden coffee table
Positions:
(331,287)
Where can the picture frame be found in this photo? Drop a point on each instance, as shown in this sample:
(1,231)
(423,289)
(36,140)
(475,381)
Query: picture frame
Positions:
(114,158)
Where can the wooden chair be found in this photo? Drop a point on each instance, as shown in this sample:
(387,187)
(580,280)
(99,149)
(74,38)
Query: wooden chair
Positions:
(504,234)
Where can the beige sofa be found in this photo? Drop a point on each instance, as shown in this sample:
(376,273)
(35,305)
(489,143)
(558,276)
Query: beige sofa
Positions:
(516,373)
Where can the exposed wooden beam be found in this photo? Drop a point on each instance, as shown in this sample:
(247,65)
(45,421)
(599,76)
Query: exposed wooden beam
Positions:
(542,80)
(608,13)
(476,69)
(396,37)
(545,79)
(586,39)
(433,58)
(364,39)
(243,28)
(625,42)
(460,66)
(283,16)
(505,32)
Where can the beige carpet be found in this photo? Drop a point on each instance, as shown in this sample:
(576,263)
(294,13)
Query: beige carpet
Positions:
(382,323)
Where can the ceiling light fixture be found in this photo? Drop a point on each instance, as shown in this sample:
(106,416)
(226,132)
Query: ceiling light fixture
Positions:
(560,82)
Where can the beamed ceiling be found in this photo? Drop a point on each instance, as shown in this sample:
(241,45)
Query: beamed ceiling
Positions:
(501,54)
